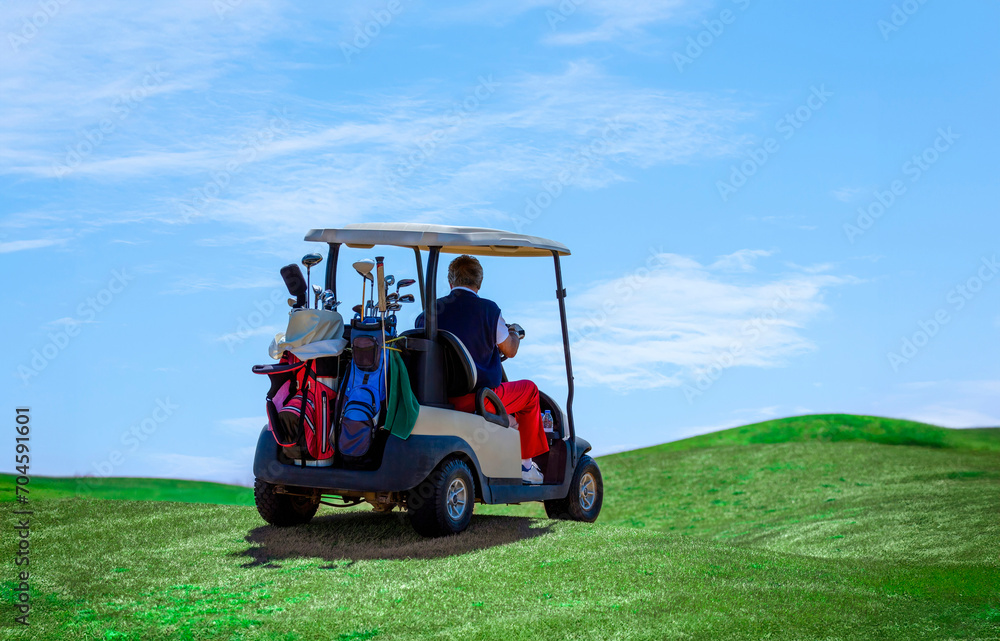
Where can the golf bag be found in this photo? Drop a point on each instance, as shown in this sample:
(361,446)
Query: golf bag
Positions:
(361,403)
(300,405)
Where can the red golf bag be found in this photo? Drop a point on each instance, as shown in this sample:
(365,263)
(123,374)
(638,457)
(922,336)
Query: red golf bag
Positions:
(301,403)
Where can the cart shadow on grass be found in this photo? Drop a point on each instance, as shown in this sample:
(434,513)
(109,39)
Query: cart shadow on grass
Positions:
(356,536)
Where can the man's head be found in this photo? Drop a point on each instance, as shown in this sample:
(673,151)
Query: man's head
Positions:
(465,271)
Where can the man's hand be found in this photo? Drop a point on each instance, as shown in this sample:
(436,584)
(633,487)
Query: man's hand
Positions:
(509,347)
(517,329)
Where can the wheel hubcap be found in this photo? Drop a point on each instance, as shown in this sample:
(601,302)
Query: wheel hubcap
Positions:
(456,499)
(588,491)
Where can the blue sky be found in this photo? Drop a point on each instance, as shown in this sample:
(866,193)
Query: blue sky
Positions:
(774,208)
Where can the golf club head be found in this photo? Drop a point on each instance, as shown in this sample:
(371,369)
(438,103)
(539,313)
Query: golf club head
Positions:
(365,267)
(295,283)
(390,280)
(406,298)
(391,297)
(291,302)
(356,309)
(405,282)
(329,300)
(310,260)
(393,307)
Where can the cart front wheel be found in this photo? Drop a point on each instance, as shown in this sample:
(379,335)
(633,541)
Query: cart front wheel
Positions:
(586,495)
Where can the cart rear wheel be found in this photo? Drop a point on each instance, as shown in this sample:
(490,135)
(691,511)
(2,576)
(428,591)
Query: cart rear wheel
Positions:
(442,504)
(282,510)
(586,495)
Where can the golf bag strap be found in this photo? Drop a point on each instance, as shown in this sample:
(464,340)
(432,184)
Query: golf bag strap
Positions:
(413,343)
(304,388)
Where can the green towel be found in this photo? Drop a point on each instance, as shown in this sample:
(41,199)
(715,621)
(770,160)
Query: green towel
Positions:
(402,407)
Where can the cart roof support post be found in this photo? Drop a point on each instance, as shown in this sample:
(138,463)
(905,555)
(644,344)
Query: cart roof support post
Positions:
(430,295)
(420,274)
(431,385)
(331,268)
(561,297)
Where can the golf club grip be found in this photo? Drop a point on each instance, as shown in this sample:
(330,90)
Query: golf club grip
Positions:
(380,273)
(295,283)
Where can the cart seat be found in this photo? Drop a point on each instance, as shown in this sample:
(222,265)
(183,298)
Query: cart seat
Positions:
(459,368)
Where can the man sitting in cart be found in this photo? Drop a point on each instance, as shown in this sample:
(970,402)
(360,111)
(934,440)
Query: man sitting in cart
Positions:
(480,326)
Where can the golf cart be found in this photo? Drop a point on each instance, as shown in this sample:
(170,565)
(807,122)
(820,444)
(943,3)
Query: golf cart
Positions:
(450,459)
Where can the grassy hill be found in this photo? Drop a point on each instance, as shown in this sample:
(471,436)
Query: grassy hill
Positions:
(130,489)
(840,428)
(830,527)
(822,485)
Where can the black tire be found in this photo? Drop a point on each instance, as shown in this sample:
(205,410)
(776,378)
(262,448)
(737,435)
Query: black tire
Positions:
(432,511)
(586,495)
(282,510)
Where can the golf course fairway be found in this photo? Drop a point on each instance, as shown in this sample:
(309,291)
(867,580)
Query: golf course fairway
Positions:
(817,527)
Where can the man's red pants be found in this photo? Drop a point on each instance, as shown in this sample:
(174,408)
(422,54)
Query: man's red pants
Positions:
(520,398)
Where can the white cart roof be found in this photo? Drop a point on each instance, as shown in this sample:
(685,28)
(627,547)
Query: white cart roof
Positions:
(452,240)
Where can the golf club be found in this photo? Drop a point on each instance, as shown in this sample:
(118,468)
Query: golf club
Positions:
(317,290)
(309,260)
(405,282)
(296,285)
(389,280)
(380,281)
(406,298)
(329,300)
(391,297)
(364,267)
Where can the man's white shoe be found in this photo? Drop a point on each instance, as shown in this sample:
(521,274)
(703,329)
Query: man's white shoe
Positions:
(532,475)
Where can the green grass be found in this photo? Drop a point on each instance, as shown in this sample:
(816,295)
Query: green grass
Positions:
(828,490)
(839,428)
(722,536)
(134,489)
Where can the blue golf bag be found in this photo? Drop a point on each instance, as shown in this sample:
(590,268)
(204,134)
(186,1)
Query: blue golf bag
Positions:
(361,401)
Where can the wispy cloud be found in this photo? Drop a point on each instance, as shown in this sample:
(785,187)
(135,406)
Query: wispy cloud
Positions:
(611,20)
(743,260)
(948,403)
(195,285)
(243,426)
(242,335)
(347,171)
(335,162)
(946,415)
(235,468)
(581,22)
(849,194)
(667,322)
(24,245)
